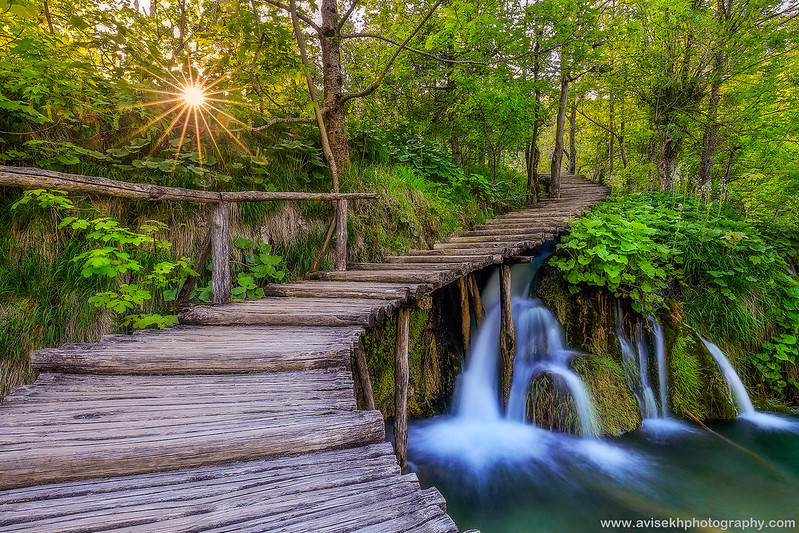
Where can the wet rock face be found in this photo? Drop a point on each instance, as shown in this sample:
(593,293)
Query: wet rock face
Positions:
(695,383)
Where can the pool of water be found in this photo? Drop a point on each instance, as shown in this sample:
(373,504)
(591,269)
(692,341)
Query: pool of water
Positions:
(510,477)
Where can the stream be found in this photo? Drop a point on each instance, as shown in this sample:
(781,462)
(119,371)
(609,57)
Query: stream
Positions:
(500,473)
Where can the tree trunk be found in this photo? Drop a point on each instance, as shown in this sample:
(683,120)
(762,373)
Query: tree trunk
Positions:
(710,134)
(335,111)
(622,145)
(572,135)
(611,148)
(533,153)
(665,159)
(557,155)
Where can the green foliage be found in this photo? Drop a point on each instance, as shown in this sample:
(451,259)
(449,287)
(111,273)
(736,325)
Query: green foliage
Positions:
(122,254)
(259,268)
(734,286)
(622,245)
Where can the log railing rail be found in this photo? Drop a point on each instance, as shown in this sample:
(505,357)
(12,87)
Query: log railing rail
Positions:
(217,244)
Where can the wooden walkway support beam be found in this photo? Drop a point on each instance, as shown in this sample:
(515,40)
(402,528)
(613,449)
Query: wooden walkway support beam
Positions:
(507,334)
(466,315)
(401,377)
(477,301)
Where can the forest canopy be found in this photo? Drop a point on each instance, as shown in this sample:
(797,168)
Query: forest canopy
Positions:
(450,109)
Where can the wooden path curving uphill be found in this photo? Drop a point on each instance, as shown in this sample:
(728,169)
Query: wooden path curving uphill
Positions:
(244,417)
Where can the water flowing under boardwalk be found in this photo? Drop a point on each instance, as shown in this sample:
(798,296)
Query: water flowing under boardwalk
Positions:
(244,417)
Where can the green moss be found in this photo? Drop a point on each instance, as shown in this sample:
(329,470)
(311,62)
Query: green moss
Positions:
(616,408)
(696,385)
(426,391)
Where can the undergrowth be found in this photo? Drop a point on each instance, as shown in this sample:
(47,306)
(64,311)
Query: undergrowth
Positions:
(735,288)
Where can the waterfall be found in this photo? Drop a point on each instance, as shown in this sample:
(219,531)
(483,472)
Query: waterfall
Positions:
(734,383)
(636,365)
(540,349)
(660,357)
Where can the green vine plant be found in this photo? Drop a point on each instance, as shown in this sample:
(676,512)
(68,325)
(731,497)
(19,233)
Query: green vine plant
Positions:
(128,257)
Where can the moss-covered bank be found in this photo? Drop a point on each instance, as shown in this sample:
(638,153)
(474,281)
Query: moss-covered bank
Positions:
(695,384)
(435,355)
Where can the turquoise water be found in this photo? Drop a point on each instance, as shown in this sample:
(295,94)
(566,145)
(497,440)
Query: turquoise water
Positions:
(507,477)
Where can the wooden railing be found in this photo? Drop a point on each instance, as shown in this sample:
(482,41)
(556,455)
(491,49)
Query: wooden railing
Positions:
(217,242)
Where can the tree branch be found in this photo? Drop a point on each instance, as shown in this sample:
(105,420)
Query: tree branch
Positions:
(300,16)
(375,84)
(444,59)
(346,16)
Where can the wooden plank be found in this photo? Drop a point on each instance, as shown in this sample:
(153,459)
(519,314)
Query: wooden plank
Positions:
(220,254)
(434,278)
(243,350)
(36,178)
(118,452)
(324,289)
(341,235)
(291,312)
(350,489)
(401,377)
(477,261)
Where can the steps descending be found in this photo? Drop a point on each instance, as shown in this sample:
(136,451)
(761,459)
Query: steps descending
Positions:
(244,417)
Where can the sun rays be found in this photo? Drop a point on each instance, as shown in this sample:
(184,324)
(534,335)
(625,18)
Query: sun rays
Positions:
(193,100)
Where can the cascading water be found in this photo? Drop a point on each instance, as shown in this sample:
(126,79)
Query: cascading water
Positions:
(502,474)
(540,349)
(636,366)
(746,410)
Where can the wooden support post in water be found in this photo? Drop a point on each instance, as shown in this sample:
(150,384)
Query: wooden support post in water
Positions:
(477,301)
(507,335)
(466,315)
(220,254)
(401,376)
(341,235)
(363,376)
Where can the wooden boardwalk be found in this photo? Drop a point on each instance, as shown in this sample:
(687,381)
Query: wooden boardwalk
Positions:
(244,417)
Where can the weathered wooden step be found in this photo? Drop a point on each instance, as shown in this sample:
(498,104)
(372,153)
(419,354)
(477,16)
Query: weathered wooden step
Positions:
(475,261)
(432,278)
(328,289)
(524,237)
(205,350)
(502,231)
(291,311)
(95,430)
(289,493)
(459,268)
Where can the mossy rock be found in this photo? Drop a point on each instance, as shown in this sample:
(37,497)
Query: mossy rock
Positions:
(696,385)
(617,410)
(434,359)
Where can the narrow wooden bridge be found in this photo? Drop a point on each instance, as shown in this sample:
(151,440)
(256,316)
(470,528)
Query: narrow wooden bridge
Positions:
(243,418)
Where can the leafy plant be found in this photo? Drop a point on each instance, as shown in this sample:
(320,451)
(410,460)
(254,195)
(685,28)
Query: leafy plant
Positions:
(259,267)
(122,254)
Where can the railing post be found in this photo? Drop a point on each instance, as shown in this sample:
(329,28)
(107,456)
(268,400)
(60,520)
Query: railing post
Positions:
(220,254)
(401,376)
(507,335)
(341,235)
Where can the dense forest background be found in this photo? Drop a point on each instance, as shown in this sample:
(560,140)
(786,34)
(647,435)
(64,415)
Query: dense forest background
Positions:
(450,110)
